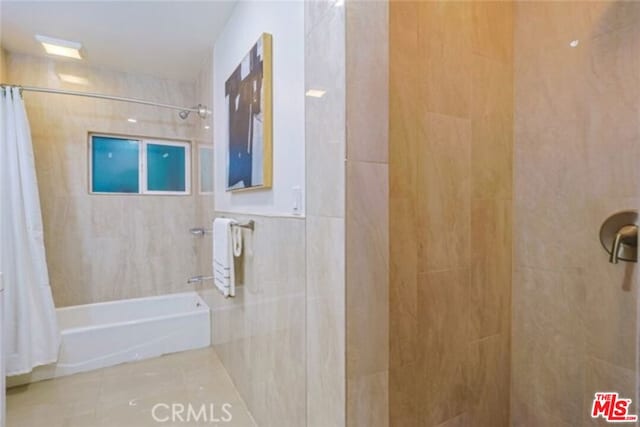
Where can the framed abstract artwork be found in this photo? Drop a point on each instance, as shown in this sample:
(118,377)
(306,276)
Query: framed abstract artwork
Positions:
(248,98)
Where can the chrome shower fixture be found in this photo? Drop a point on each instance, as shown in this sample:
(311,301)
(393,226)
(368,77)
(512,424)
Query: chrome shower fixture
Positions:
(200,109)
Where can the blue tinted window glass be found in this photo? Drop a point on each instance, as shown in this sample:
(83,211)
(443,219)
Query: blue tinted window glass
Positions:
(115,165)
(165,168)
(206,169)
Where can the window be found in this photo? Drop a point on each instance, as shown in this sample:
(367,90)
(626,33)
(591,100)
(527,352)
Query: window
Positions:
(206,169)
(120,165)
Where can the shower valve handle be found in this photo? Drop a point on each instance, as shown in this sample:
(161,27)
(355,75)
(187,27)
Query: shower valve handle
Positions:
(627,235)
(619,236)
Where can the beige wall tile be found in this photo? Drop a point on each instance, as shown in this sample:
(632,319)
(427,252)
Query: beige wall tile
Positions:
(445,56)
(367,80)
(613,90)
(405,137)
(367,400)
(367,268)
(404,399)
(367,217)
(443,338)
(403,31)
(528,416)
(555,302)
(610,312)
(403,284)
(461,420)
(548,352)
(491,129)
(314,12)
(490,373)
(493,30)
(444,195)
(490,292)
(325,117)
(557,23)
(325,317)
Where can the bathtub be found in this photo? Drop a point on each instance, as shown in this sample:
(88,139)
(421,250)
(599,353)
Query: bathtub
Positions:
(104,334)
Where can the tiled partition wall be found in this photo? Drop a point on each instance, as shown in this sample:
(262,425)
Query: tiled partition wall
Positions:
(367,225)
(450,168)
(260,334)
(577,157)
(106,247)
(325,169)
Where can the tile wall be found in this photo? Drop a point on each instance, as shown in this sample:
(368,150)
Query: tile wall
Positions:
(450,212)
(577,150)
(367,213)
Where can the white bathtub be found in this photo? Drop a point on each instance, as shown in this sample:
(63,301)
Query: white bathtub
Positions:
(105,334)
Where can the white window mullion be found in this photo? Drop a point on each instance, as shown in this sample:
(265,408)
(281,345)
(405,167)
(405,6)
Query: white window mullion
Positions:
(143,167)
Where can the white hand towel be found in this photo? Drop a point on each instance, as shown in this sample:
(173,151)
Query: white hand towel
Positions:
(223,274)
(237,241)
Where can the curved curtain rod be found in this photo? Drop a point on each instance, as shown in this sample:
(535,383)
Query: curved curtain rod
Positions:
(202,110)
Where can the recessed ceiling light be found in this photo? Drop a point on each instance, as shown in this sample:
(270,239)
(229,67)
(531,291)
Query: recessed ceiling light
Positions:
(132,120)
(574,43)
(76,80)
(60,47)
(316,93)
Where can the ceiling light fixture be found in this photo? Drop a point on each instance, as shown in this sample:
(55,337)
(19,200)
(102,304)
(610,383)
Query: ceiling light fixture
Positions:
(316,93)
(574,43)
(132,120)
(76,80)
(60,47)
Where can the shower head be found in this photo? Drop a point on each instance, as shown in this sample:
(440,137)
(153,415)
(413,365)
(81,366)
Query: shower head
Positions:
(202,111)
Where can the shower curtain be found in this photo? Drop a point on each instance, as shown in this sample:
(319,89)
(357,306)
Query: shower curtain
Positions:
(30,329)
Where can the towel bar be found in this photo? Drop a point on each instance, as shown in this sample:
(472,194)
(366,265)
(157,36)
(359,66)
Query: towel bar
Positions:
(250,225)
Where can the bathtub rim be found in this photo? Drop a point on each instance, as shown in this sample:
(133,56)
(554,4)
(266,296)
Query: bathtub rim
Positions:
(204,308)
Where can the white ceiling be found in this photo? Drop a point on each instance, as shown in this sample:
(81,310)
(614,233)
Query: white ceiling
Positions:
(167,39)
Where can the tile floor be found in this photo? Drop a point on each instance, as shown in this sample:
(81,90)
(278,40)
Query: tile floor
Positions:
(122,396)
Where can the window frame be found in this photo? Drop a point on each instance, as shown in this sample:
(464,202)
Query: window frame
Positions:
(143,141)
(200,149)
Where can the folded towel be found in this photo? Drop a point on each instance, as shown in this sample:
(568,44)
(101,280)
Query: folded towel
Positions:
(223,274)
